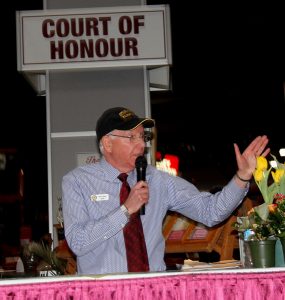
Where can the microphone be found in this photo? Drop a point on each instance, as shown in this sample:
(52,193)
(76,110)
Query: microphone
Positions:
(141,165)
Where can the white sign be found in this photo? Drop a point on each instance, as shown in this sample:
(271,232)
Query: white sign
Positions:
(98,37)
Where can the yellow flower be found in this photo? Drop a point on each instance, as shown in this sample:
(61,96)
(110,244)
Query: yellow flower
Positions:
(269,188)
(278,175)
(258,174)
(261,163)
(266,220)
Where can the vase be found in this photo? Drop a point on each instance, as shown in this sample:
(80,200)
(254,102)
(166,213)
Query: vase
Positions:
(282,240)
(280,253)
(245,255)
(30,264)
(262,253)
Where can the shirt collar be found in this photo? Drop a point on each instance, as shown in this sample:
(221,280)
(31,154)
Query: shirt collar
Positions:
(112,173)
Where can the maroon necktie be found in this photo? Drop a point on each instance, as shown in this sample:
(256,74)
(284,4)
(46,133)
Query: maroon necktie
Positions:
(133,234)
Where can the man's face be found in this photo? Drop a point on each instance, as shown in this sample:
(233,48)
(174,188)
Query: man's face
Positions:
(123,148)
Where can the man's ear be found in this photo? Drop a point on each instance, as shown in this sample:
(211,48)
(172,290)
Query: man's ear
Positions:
(107,143)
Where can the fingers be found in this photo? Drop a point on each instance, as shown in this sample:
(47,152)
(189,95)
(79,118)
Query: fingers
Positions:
(260,146)
(237,152)
(254,145)
(138,196)
(141,184)
(266,152)
(257,146)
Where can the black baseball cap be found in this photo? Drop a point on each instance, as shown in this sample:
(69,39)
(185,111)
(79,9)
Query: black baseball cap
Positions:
(120,118)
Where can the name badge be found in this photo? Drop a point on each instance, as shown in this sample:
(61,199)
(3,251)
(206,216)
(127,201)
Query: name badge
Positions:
(99,197)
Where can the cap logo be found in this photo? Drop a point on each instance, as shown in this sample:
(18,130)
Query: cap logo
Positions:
(126,115)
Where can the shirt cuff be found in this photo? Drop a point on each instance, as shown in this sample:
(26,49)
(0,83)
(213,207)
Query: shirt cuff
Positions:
(125,211)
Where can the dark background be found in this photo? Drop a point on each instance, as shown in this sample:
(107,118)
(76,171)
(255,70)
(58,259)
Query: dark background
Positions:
(228,74)
(227,86)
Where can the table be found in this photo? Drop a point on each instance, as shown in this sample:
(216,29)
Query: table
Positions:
(253,284)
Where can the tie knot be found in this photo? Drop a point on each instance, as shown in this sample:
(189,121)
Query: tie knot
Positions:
(123,177)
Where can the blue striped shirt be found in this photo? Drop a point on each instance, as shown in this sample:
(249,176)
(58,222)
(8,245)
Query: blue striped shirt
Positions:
(93,220)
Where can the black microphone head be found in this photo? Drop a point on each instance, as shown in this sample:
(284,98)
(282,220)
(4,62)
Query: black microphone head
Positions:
(141,162)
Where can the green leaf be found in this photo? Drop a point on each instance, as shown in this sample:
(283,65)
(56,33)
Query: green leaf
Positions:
(263,187)
(262,211)
(282,185)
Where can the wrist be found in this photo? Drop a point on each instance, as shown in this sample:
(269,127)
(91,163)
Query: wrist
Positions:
(243,178)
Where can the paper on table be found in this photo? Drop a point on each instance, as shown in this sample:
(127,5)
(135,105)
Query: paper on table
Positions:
(20,266)
(224,264)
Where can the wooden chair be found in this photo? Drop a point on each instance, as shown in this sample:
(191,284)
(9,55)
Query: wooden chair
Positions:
(183,235)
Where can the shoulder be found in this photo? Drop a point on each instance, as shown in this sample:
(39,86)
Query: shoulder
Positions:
(156,174)
(84,171)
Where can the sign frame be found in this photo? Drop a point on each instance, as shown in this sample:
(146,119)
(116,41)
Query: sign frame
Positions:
(39,46)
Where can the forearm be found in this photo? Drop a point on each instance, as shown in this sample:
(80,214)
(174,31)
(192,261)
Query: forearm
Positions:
(204,207)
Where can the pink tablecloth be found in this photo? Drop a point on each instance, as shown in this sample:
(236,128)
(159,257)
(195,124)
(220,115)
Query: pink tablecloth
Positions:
(249,286)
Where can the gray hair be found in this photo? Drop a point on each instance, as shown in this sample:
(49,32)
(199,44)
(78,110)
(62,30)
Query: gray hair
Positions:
(101,148)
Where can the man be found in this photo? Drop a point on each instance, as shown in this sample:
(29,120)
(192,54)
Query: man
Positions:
(94,218)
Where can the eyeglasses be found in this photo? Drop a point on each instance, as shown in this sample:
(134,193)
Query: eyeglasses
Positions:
(146,137)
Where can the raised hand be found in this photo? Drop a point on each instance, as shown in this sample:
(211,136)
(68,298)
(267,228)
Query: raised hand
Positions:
(246,162)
